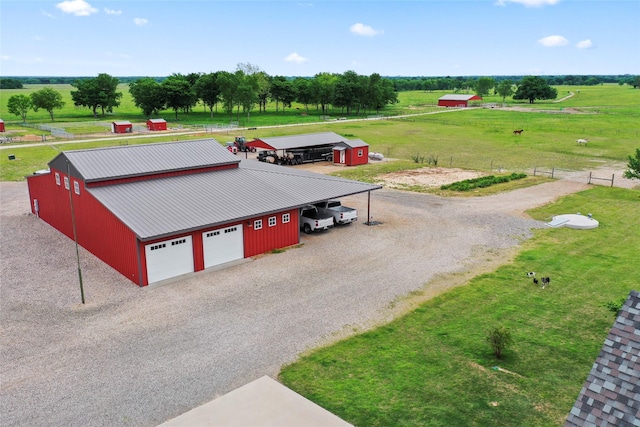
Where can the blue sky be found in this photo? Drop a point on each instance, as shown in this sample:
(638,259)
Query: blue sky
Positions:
(303,38)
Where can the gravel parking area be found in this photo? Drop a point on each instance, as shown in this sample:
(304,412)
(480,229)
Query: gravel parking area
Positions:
(140,356)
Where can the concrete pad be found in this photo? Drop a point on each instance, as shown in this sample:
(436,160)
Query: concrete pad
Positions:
(261,403)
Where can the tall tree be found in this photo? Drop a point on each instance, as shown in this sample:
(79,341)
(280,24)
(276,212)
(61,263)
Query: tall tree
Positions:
(147,95)
(208,90)
(534,87)
(100,92)
(323,86)
(304,92)
(48,99)
(282,91)
(228,90)
(179,93)
(20,106)
(484,85)
(505,88)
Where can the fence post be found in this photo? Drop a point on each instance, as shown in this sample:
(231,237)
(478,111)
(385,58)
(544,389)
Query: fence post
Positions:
(553,171)
(534,170)
(612,176)
(589,178)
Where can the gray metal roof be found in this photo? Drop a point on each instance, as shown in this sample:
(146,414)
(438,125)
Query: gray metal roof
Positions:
(455,97)
(304,140)
(165,206)
(136,160)
(611,394)
(354,143)
(157,120)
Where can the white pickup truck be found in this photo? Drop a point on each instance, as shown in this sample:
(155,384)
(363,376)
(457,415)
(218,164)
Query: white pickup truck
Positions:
(341,214)
(312,220)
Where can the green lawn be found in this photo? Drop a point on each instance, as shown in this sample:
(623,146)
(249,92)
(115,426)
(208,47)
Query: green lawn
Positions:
(432,367)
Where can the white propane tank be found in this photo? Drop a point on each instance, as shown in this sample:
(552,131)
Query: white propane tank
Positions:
(376,156)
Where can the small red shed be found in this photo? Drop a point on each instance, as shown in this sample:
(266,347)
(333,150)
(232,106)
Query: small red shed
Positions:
(351,153)
(121,127)
(156,124)
(454,100)
(1,125)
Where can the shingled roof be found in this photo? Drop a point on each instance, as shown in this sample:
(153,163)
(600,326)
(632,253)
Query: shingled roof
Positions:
(611,394)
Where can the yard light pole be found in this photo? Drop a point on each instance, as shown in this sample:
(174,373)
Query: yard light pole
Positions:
(75,234)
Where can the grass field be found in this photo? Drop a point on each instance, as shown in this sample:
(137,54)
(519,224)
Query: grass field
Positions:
(433,367)
(479,139)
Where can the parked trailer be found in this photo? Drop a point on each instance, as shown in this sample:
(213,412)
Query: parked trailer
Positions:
(297,156)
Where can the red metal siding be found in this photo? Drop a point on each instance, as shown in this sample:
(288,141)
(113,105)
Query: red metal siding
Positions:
(451,103)
(269,238)
(98,230)
(156,125)
(2,127)
(161,175)
(258,143)
(354,160)
(122,128)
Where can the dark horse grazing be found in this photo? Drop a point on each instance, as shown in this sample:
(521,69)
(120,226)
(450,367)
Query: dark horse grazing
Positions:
(518,131)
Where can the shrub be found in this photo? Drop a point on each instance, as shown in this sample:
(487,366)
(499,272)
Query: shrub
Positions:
(482,182)
(499,338)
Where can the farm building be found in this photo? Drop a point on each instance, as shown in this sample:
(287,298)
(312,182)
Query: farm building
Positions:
(121,127)
(329,143)
(2,125)
(157,211)
(611,394)
(454,100)
(351,153)
(156,124)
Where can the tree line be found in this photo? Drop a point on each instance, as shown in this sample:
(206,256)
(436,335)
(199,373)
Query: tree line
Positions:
(241,91)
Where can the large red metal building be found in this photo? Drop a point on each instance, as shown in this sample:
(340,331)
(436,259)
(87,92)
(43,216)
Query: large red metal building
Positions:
(157,211)
(454,100)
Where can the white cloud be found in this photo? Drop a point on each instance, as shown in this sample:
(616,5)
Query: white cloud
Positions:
(47,14)
(112,11)
(553,41)
(5,57)
(140,22)
(77,7)
(364,30)
(585,44)
(294,57)
(528,3)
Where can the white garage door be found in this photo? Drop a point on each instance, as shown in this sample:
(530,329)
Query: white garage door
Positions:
(169,258)
(223,245)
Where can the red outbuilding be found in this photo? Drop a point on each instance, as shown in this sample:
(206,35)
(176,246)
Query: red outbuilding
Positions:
(121,127)
(351,153)
(157,211)
(2,125)
(454,100)
(156,124)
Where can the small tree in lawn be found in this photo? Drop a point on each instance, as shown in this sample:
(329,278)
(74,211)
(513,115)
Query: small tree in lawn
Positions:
(634,166)
(499,338)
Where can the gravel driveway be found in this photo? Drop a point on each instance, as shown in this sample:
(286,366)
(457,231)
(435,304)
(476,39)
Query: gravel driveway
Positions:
(139,356)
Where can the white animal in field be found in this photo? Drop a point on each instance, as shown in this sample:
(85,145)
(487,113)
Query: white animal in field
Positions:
(582,141)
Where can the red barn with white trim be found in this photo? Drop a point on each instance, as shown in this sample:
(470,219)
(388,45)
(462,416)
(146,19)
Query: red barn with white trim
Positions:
(2,125)
(157,211)
(454,100)
(156,124)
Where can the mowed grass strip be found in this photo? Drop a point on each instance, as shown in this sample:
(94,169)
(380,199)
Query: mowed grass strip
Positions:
(433,367)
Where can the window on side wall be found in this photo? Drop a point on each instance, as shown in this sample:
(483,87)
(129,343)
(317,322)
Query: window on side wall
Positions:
(272,221)
(257,224)
(76,187)
(66,182)
(57,178)
(286,218)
